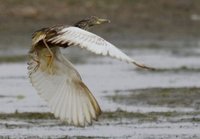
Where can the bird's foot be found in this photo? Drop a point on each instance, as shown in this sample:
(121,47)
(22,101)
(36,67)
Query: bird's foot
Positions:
(33,64)
(37,65)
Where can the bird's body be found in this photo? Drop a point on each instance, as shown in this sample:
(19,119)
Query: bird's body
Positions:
(55,78)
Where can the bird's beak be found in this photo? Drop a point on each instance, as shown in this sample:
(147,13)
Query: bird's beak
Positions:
(102,21)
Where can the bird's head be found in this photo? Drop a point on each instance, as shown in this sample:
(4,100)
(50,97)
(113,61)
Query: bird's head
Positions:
(91,21)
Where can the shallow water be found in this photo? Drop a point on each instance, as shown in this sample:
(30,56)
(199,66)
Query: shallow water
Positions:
(179,68)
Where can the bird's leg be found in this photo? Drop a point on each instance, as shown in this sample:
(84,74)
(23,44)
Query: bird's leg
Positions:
(51,56)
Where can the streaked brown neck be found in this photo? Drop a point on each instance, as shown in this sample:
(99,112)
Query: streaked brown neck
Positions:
(83,24)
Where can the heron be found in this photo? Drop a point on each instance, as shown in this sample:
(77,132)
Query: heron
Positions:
(55,78)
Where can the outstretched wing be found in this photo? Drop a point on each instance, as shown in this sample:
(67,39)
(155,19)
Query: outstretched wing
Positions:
(84,39)
(62,87)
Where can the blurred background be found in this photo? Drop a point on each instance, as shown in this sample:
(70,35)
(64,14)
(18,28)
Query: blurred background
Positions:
(140,20)
(136,103)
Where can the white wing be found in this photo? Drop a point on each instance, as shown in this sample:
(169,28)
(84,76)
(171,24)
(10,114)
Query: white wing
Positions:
(61,86)
(91,42)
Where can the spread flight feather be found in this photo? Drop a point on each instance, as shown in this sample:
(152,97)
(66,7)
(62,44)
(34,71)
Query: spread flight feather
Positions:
(84,39)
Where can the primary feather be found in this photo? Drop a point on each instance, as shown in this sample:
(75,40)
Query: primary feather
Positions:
(91,42)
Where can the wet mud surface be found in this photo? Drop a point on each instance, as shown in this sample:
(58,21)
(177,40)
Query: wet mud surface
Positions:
(136,103)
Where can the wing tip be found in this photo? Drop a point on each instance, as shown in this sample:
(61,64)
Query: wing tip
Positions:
(143,66)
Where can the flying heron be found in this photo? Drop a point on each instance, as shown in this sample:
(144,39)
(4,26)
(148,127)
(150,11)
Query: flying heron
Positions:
(55,78)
